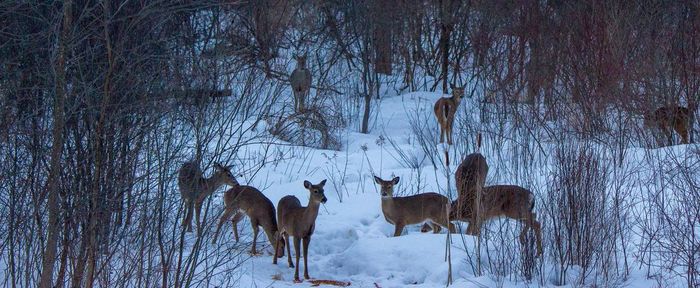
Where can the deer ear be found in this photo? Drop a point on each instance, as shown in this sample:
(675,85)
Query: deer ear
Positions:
(395,180)
(323,183)
(218,166)
(307,184)
(377,180)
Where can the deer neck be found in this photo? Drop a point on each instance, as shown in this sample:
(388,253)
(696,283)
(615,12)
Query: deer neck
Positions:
(453,100)
(211,184)
(387,203)
(311,212)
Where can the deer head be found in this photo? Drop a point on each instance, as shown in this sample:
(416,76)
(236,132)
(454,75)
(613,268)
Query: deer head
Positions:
(224,173)
(387,187)
(316,191)
(457,92)
(301,61)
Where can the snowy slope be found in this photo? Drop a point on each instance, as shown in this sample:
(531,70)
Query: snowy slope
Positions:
(352,241)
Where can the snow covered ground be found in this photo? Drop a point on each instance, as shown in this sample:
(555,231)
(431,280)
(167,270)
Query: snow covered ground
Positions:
(352,241)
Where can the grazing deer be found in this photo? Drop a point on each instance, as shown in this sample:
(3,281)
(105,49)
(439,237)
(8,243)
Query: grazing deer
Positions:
(470,178)
(301,83)
(669,118)
(420,208)
(300,222)
(445,110)
(510,201)
(246,200)
(194,188)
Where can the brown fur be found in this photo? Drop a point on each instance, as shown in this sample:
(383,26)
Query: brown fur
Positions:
(300,222)
(194,188)
(415,209)
(509,201)
(301,83)
(246,200)
(445,109)
(470,178)
(668,119)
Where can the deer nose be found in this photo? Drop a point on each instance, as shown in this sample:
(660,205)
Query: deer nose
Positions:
(324,199)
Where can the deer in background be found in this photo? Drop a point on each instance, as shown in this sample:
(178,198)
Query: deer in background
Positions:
(300,222)
(445,110)
(301,83)
(246,200)
(667,119)
(194,188)
(420,208)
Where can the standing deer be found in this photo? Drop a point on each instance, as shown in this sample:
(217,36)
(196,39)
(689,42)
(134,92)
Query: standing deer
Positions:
(246,200)
(470,178)
(445,110)
(300,222)
(510,201)
(301,83)
(669,118)
(420,208)
(194,188)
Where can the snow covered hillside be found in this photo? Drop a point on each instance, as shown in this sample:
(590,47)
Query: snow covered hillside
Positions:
(353,242)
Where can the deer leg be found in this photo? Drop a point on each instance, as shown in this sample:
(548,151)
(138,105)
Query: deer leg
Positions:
(297,246)
(189,207)
(197,211)
(425,228)
(185,205)
(296,100)
(442,132)
(224,217)
(398,229)
(447,224)
(451,227)
(289,250)
(537,228)
(277,248)
(436,228)
(683,132)
(449,132)
(254,251)
(474,227)
(669,136)
(306,239)
(236,218)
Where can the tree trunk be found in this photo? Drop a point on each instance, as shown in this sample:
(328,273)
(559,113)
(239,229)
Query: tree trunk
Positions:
(365,116)
(50,252)
(444,42)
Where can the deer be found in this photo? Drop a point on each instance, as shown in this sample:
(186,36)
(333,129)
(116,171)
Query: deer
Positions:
(667,119)
(470,178)
(508,201)
(194,188)
(244,200)
(445,110)
(299,222)
(420,208)
(301,83)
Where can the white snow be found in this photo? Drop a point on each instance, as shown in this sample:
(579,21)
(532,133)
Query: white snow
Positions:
(353,242)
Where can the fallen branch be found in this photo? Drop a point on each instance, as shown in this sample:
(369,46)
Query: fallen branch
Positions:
(316,283)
